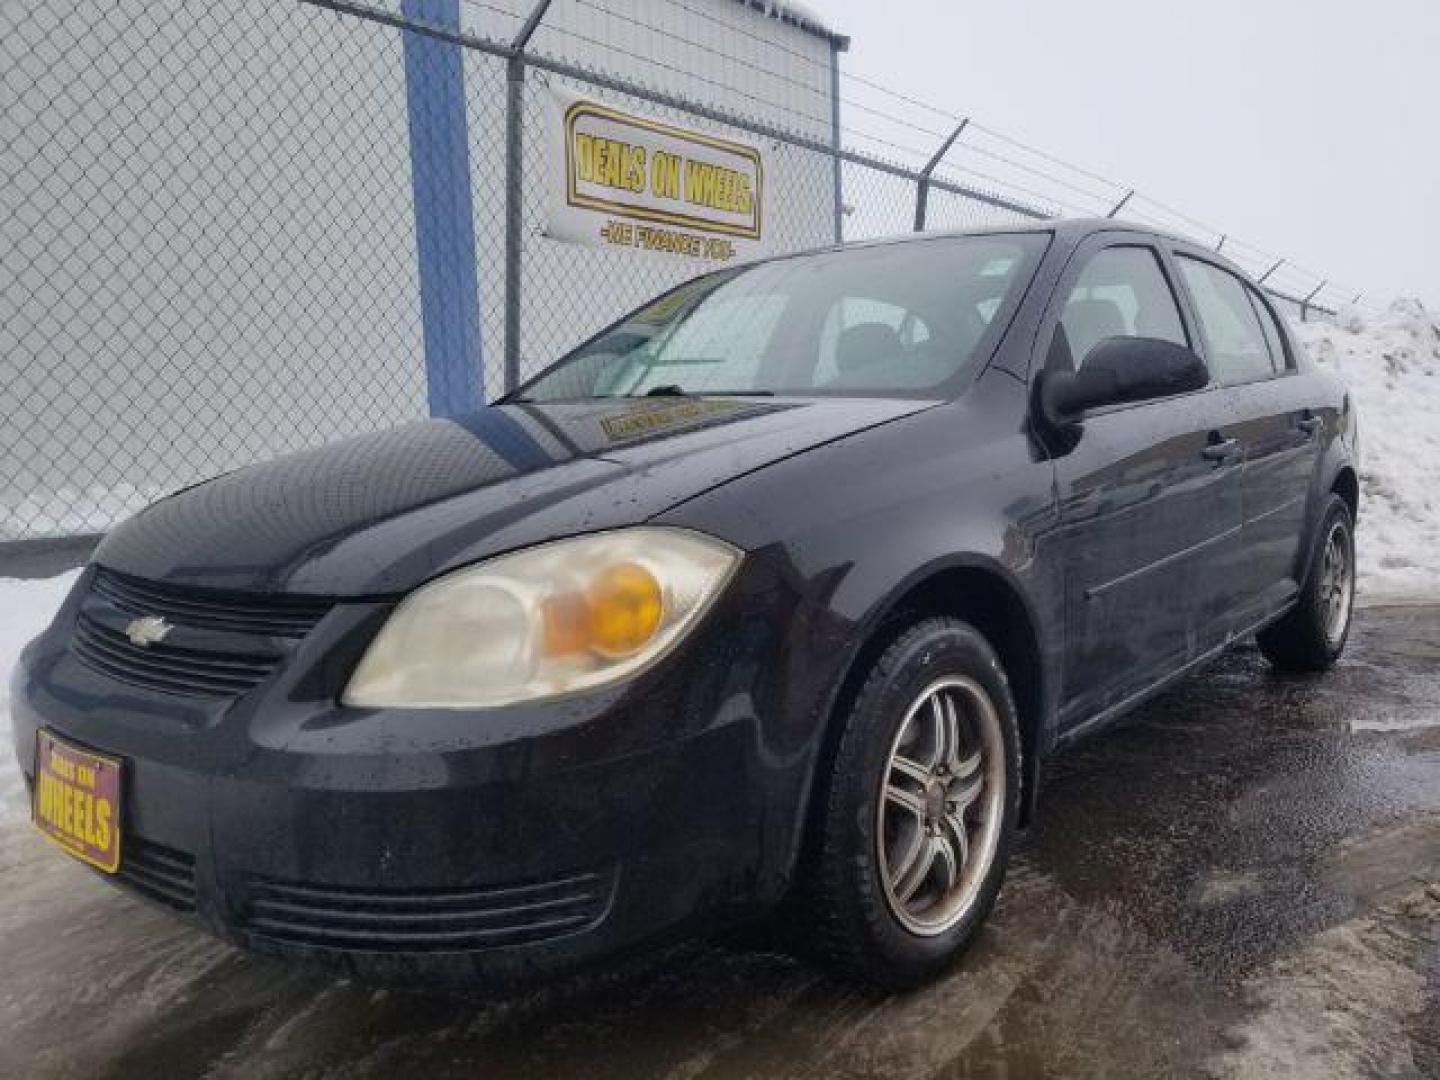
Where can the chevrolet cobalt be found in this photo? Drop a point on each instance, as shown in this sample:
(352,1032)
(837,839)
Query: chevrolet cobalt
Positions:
(775,595)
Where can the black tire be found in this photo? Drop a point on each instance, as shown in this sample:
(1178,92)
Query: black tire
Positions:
(845,905)
(1306,639)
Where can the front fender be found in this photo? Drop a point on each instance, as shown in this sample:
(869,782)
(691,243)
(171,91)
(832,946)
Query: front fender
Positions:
(857,525)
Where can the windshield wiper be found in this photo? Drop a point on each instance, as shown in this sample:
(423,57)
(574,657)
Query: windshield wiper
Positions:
(675,390)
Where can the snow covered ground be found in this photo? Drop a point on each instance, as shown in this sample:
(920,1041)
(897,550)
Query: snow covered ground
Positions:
(25,609)
(1392,365)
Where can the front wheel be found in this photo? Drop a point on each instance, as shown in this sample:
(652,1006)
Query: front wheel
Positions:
(1312,634)
(919,808)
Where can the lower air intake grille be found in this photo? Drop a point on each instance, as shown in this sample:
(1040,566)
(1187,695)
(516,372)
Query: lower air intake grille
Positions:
(161,873)
(426,920)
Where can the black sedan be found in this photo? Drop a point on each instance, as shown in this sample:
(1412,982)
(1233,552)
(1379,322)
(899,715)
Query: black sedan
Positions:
(776,594)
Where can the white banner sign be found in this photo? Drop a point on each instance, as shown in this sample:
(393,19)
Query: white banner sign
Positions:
(629,181)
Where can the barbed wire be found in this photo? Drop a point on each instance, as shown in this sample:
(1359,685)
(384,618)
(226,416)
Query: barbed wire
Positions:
(1067,184)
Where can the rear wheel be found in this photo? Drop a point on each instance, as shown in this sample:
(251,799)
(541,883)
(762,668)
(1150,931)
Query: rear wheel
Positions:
(919,809)
(1313,634)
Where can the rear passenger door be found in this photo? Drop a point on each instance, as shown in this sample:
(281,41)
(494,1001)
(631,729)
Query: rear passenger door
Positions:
(1248,358)
(1148,493)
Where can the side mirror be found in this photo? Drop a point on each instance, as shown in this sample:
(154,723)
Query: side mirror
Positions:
(1118,370)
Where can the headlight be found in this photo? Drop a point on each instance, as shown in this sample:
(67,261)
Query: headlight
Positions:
(545,621)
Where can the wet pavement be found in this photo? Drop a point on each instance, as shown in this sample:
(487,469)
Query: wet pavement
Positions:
(1243,879)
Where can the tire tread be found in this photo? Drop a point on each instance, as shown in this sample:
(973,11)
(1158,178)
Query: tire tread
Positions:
(838,929)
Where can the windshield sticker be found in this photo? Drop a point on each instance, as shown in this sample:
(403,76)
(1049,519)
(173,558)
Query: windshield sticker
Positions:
(660,419)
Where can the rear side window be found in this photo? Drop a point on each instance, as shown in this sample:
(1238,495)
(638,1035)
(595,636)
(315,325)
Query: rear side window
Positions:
(1273,337)
(1235,341)
(1121,292)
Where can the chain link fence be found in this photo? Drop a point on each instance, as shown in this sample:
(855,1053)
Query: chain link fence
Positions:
(210,226)
(209,248)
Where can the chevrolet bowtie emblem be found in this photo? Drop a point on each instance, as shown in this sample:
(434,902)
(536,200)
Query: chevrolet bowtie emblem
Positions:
(149,630)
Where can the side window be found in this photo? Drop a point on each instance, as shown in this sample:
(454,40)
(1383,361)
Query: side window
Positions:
(1236,349)
(1121,292)
(1273,337)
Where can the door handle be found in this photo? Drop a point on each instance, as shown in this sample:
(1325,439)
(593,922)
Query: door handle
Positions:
(1221,450)
(1310,424)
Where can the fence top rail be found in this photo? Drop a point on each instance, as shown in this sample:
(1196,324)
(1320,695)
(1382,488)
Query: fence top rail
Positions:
(361,10)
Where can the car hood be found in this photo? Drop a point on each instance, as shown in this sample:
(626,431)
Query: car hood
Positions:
(380,513)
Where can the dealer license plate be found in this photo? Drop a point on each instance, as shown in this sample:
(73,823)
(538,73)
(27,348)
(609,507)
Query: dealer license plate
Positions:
(77,801)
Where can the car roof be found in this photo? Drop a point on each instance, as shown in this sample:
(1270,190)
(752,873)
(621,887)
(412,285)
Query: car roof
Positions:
(1072,229)
(1068,230)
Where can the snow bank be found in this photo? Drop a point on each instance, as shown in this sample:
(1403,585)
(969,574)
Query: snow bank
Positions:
(26,607)
(1392,366)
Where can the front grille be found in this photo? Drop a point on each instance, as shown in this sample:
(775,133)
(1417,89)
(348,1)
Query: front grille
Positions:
(221,644)
(169,668)
(211,609)
(426,920)
(161,873)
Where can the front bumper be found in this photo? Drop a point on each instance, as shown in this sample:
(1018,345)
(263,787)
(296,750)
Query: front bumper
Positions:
(487,846)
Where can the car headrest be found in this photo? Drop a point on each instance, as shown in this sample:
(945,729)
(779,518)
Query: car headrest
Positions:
(865,344)
(1088,322)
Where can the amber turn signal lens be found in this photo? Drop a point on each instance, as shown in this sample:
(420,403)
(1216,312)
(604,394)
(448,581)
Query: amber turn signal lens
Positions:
(625,606)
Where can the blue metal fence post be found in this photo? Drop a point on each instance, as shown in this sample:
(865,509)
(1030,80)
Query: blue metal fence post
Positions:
(837,177)
(444,214)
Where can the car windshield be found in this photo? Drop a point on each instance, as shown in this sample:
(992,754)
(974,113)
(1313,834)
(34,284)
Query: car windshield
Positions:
(895,319)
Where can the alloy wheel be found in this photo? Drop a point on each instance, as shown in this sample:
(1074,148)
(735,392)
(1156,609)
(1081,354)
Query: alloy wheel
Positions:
(940,806)
(1337,584)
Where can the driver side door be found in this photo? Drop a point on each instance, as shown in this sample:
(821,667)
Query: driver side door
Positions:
(1148,494)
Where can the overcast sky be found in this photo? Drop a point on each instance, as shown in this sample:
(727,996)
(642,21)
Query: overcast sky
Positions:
(1310,129)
